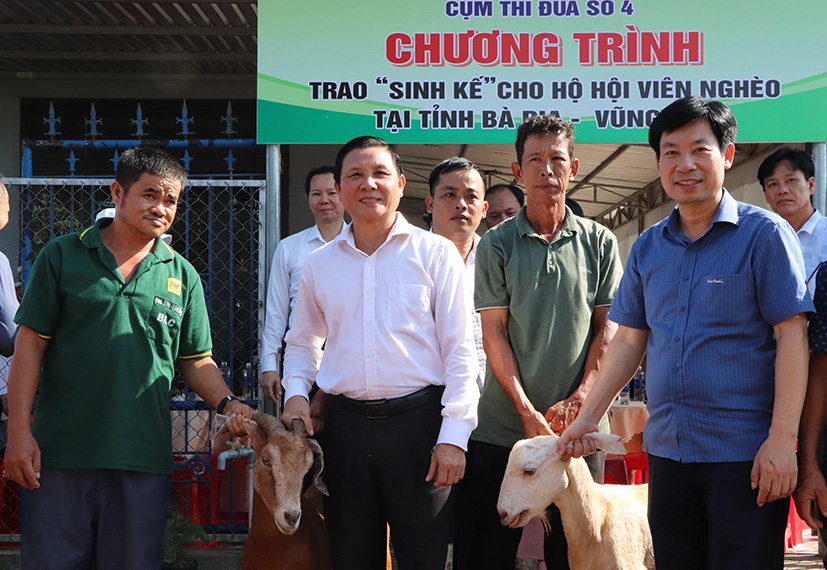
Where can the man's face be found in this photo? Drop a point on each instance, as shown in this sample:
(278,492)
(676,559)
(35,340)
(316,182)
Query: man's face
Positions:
(370,185)
(148,207)
(4,206)
(501,206)
(324,201)
(787,190)
(458,203)
(546,168)
(692,165)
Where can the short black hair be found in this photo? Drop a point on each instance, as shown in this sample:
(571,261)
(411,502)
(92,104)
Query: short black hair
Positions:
(135,162)
(684,111)
(497,188)
(544,125)
(316,172)
(361,143)
(449,165)
(799,159)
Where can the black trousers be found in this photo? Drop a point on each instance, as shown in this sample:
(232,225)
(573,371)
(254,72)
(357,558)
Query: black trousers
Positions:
(375,471)
(705,516)
(482,542)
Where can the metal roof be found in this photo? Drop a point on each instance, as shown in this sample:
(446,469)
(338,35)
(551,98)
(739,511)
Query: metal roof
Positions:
(139,37)
(610,175)
(94,39)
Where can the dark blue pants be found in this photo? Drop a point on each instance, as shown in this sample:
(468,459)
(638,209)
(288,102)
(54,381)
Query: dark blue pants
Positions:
(99,519)
(705,516)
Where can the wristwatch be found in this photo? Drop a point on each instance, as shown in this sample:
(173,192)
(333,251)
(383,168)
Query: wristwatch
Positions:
(223,403)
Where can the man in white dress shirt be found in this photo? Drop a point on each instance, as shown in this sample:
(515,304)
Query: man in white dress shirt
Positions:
(457,205)
(788,179)
(387,301)
(328,211)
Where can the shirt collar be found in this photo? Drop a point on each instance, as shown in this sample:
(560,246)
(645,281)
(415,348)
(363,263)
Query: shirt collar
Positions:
(315,234)
(810,225)
(524,228)
(400,227)
(91,239)
(472,255)
(727,213)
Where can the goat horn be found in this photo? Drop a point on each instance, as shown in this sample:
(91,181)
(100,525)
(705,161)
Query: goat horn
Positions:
(268,422)
(298,427)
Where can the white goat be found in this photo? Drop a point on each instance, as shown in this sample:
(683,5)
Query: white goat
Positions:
(606,526)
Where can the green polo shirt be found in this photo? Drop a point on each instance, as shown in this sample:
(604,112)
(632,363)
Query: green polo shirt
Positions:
(551,290)
(105,386)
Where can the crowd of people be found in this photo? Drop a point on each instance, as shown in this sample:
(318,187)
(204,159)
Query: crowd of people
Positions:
(419,357)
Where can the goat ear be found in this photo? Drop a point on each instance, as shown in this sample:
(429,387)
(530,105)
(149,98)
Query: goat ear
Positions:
(551,450)
(318,466)
(610,442)
(257,434)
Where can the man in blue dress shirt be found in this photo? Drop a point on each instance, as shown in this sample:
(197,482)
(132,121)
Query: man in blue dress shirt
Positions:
(715,293)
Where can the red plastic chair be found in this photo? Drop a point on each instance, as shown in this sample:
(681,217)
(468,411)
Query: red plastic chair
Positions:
(794,535)
(637,465)
(615,471)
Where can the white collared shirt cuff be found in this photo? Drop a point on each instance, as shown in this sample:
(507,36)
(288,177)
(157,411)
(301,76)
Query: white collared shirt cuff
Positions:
(294,387)
(269,363)
(455,432)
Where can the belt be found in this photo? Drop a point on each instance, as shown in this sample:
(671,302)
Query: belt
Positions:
(378,409)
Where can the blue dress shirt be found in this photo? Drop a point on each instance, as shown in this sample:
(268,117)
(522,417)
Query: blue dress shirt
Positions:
(710,306)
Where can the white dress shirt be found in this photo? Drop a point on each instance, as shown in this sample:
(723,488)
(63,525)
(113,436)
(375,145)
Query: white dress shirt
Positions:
(282,289)
(391,323)
(813,239)
(470,266)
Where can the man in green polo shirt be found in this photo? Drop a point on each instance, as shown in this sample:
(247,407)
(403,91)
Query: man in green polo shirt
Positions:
(106,314)
(544,283)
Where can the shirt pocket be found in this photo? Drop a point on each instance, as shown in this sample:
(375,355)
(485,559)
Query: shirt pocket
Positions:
(720,299)
(163,322)
(409,308)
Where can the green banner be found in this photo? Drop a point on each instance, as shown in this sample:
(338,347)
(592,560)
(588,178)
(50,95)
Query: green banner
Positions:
(465,71)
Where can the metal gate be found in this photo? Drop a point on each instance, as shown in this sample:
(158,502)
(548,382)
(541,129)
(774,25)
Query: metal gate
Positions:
(69,156)
(218,228)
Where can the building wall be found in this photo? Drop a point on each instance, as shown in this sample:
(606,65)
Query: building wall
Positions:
(741,182)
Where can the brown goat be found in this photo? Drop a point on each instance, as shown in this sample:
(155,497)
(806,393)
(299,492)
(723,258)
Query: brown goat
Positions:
(276,540)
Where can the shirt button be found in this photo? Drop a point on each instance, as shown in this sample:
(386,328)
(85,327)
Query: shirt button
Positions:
(675,369)
(686,277)
(368,323)
(677,339)
(683,309)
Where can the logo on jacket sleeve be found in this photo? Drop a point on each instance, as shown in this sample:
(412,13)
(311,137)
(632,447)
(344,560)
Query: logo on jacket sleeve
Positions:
(174,286)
